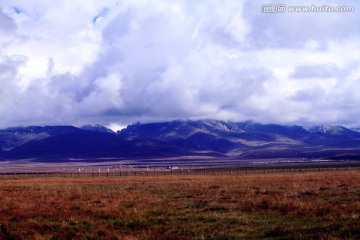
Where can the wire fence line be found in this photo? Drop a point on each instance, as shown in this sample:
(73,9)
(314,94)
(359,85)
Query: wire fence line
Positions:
(122,172)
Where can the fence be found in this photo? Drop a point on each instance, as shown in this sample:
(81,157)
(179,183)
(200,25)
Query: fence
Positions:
(121,172)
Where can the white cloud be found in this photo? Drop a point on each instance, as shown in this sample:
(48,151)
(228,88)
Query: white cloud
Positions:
(7,24)
(114,62)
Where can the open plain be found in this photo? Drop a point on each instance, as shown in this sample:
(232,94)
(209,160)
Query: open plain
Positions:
(315,205)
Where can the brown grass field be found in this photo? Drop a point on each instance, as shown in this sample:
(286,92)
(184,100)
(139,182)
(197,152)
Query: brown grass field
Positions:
(323,205)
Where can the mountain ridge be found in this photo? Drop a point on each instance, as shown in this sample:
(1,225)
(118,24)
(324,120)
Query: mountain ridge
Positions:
(212,138)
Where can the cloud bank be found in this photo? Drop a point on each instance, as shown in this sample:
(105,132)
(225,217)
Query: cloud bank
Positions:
(115,62)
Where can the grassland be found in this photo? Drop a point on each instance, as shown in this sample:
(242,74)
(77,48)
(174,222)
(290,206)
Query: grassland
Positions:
(322,205)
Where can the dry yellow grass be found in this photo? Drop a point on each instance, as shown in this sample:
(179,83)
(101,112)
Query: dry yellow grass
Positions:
(255,206)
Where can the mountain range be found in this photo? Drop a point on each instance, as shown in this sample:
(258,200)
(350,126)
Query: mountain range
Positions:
(202,138)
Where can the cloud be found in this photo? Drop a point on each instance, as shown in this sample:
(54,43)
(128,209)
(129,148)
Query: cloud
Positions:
(300,29)
(7,24)
(315,71)
(116,62)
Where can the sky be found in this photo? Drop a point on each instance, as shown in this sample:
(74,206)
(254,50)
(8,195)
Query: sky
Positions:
(116,62)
